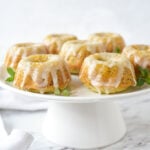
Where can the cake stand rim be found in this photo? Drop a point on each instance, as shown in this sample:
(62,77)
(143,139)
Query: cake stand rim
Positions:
(73,99)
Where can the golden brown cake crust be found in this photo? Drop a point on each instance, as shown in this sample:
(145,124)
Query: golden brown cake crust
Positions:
(21,50)
(139,55)
(74,52)
(107,73)
(54,42)
(42,73)
(111,41)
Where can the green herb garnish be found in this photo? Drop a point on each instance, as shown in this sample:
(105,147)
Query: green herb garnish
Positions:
(57,92)
(143,72)
(64,92)
(143,77)
(140,81)
(11,72)
(117,50)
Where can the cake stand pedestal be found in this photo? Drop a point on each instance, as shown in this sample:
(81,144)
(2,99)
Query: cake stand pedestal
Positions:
(84,125)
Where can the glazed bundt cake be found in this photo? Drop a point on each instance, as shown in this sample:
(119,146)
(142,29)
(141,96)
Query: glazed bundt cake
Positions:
(20,50)
(113,42)
(107,73)
(54,42)
(42,73)
(74,52)
(139,55)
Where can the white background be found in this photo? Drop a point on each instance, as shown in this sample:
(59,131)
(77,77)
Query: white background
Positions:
(31,20)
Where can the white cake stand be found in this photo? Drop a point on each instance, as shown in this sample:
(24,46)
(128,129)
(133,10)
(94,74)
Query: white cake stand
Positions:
(84,120)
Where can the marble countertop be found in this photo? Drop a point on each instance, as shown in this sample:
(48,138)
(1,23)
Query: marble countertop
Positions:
(136,114)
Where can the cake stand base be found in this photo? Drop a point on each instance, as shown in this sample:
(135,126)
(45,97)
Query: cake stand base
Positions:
(84,125)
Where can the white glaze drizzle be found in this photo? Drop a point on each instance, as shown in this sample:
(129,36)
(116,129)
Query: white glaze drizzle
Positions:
(72,48)
(40,74)
(111,60)
(59,39)
(25,50)
(105,39)
(140,53)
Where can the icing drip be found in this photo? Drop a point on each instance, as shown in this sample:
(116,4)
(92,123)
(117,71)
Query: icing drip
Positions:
(22,50)
(55,78)
(120,62)
(63,73)
(40,73)
(95,47)
(72,48)
(105,39)
(140,54)
(59,39)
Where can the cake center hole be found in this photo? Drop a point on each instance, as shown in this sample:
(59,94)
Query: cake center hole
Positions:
(24,44)
(100,58)
(141,47)
(39,59)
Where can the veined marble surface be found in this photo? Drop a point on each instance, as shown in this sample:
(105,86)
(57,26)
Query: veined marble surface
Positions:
(136,115)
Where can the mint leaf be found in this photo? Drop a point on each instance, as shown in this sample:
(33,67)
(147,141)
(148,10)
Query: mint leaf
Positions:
(10,79)
(57,92)
(117,50)
(140,81)
(148,80)
(65,92)
(144,72)
(143,76)
(11,72)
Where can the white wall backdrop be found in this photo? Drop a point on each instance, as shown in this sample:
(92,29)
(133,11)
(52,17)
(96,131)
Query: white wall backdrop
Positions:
(31,20)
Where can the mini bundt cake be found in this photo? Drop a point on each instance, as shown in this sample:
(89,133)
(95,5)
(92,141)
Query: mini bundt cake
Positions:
(139,55)
(20,50)
(74,52)
(107,73)
(112,41)
(42,73)
(54,42)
